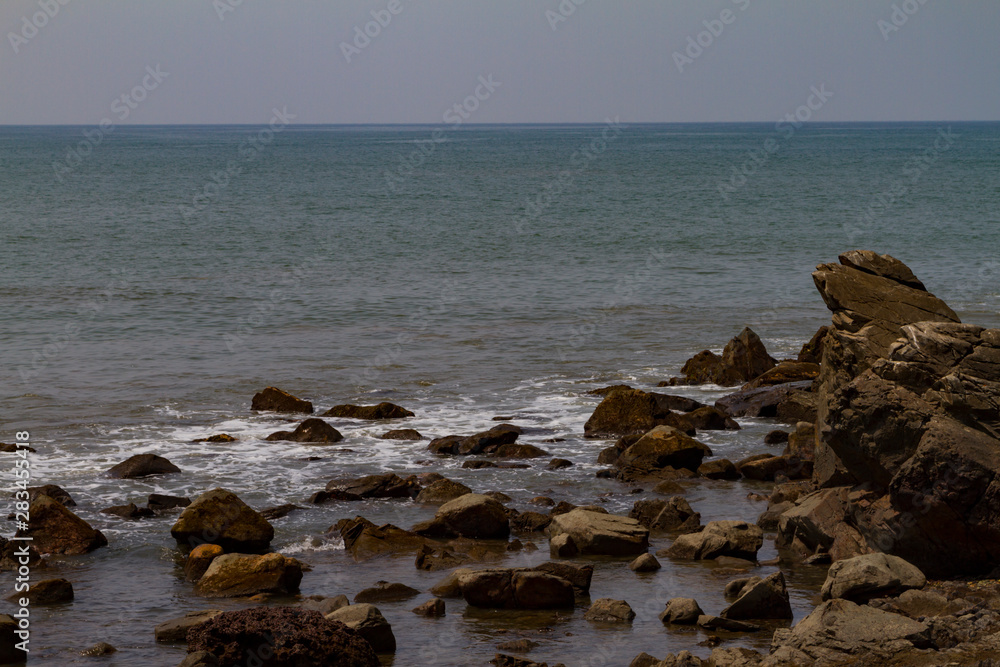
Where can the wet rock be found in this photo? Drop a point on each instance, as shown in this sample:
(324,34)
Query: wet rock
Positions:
(768,401)
(368,622)
(729,624)
(668,487)
(784,372)
(364,540)
(236,575)
(199,559)
(579,576)
(311,430)
(175,631)
(705,418)
(142,465)
(840,628)
(13,553)
(159,503)
(604,391)
(719,469)
(471,515)
(558,464)
(776,437)
(477,465)
(219,437)
(629,412)
(47,591)
(516,589)
(660,448)
(812,351)
(451,585)
(862,578)
(802,443)
(11,447)
(487,442)
(734,657)
(279,512)
(674,515)
(681,611)
(402,434)
(54,529)
(9,652)
(199,659)
(519,451)
(446,445)
(368,412)
(130,511)
(737,539)
(645,563)
(273,399)
(764,599)
(609,610)
(383,591)
(767,467)
(294,636)
(586,532)
(98,650)
(518,645)
(530,522)
(386,485)
(743,359)
(820,521)
(220,517)
(502,660)
(56,493)
(442,491)
(644,660)
(433,608)
(325,605)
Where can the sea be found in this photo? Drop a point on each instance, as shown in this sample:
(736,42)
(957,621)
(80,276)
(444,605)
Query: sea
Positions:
(155,278)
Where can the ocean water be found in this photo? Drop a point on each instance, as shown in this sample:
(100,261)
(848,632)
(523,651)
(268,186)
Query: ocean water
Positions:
(154,280)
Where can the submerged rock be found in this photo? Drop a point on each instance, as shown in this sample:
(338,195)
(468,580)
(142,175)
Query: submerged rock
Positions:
(383,591)
(295,637)
(402,434)
(368,412)
(273,399)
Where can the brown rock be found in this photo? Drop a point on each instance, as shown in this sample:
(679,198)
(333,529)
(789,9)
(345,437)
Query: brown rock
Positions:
(236,575)
(54,529)
(591,533)
(142,465)
(364,540)
(402,434)
(517,451)
(516,589)
(784,372)
(275,400)
(767,598)
(368,412)
(627,412)
(199,559)
(130,511)
(221,437)
(46,592)
(383,591)
(386,485)
(442,491)
(220,517)
(471,515)
(737,539)
(674,515)
(776,437)
(311,430)
(719,469)
(812,352)
(433,608)
(661,447)
(645,563)
(487,442)
(682,611)
(609,610)
(175,630)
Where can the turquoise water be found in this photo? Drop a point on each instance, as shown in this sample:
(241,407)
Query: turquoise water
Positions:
(155,280)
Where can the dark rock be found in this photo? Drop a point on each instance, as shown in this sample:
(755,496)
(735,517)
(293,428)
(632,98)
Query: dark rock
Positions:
(476,465)
(158,502)
(275,400)
(487,441)
(12,555)
(368,412)
(293,636)
(764,599)
(821,521)
(604,391)
(579,576)
(10,654)
(705,418)
(471,515)
(311,430)
(668,487)
(862,578)
(518,645)
(743,359)
(516,589)
(98,650)
(802,443)
(728,624)
(586,532)
(662,447)
(558,464)
(175,631)
(46,592)
(130,511)
(609,610)
(402,434)
(221,437)
(812,352)
(433,608)
(237,575)
(383,591)
(54,492)
(776,437)
(442,491)
(645,563)
(54,529)
(446,445)
(386,485)
(530,522)
(784,372)
(681,611)
(765,401)
(220,517)
(364,540)
(142,465)
(11,447)
(674,515)
(516,451)
(737,539)
(767,468)
(719,469)
(279,512)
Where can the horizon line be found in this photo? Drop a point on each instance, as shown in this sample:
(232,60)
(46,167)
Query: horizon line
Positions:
(505,124)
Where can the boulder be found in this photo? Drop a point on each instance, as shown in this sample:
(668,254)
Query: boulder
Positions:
(364,540)
(530,522)
(661,447)
(56,493)
(471,515)
(764,599)
(737,539)
(681,611)
(54,529)
(743,359)
(273,399)
(236,575)
(673,515)
(160,503)
(516,589)
(311,430)
(767,468)
(325,605)
(10,654)
(402,434)
(719,469)
(558,464)
(627,412)
(862,578)
(220,517)
(219,437)
(433,608)
(442,491)
(786,371)
(734,657)
(130,511)
(293,637)
(383,591)
(812,351)
(776,437)
(609,610)
(822,521)
(369,623)
(705,418)
(47,591)
(446,445)
(451,585)
(199,559)
(839,629)
(142,465)
(585,532)
(386,485)
(519,451)
(579,576)
(175,631)
(769,401)
(368,412)
(485,442)
(645,563)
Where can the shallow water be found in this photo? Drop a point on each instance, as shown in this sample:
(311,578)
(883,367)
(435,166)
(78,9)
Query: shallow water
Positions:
(430,298)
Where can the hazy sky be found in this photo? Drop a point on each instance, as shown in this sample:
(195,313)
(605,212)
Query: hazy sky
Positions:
(233,61)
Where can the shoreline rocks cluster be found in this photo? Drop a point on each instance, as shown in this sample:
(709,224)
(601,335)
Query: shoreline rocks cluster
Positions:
(890,476)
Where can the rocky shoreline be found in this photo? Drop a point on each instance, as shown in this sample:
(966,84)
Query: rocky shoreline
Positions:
(890,478)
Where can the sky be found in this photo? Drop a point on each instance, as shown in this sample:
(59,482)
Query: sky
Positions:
(502,61)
